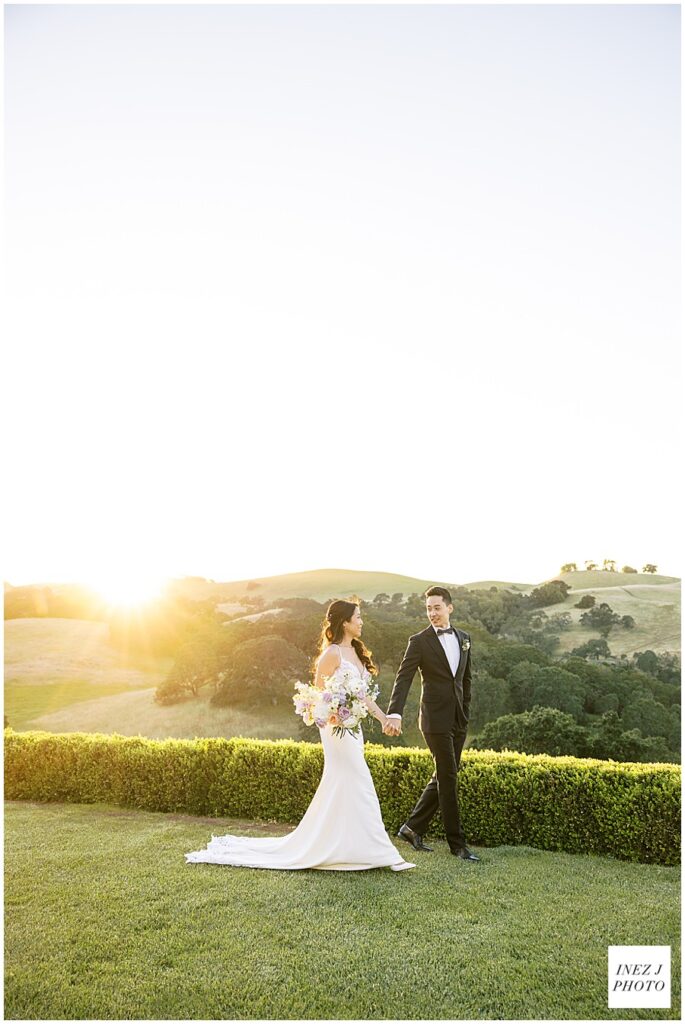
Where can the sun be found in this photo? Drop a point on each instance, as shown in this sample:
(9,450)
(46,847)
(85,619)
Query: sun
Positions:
(124,589)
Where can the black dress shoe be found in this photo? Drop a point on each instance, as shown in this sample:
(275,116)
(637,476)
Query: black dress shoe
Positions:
(410,836)
(465,854)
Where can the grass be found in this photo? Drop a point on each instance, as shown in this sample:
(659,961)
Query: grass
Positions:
(25,705)
(135,713)
(105,920)
(599,578)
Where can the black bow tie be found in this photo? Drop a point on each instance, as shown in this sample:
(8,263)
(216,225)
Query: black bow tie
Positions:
(448,630)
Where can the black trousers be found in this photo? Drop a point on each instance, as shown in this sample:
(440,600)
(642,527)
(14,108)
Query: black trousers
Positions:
(442,790)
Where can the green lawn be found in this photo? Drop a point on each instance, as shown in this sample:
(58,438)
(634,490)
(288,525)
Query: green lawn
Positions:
(104,919)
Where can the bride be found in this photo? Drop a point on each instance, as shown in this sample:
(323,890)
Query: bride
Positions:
(342,829)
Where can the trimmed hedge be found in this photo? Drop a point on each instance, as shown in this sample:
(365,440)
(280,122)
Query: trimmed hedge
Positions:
(629,811)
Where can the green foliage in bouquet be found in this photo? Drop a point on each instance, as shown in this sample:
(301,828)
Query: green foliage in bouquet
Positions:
(628,811)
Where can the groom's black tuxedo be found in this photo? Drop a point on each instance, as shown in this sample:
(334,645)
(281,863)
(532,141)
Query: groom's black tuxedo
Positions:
(443,718)
(445,698)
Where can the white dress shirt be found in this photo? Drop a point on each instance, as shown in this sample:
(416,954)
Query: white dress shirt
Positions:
(451,645)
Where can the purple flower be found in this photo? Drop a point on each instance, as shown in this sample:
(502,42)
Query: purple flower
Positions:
(327,696)
(344,713)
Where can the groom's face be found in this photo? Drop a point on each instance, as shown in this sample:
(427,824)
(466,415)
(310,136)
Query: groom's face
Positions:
(438,612)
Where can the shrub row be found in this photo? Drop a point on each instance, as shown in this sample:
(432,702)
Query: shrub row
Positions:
(629,811)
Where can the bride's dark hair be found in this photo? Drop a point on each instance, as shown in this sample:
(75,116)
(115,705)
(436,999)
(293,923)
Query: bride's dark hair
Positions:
(332,631)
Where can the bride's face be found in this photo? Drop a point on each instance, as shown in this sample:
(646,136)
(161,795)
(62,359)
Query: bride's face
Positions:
(353,628)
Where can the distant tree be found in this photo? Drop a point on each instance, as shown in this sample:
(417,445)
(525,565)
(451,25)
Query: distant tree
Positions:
(520,682)
(628,568)
(415,606)
(562,621)
(646,661)
(608,565)
(196,665)
(491,700)
(590,566)
(608,739)
(499,659)
(540,638)
(554,687)
(569,567)
(397,599)
(651,718)
(261,671)
(381,599)
(649,567)
(586,601)
(644,749)
(538,731)
(593,650)
(668,667)
(601,618)
(604,702)
(553,592)
(628,622)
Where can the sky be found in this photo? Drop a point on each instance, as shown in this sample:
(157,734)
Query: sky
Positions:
(385,288)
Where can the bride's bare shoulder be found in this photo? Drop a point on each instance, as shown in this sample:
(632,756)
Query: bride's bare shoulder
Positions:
(329,658)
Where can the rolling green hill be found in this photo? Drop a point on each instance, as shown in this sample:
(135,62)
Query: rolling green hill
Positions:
(322,584)
(319,585)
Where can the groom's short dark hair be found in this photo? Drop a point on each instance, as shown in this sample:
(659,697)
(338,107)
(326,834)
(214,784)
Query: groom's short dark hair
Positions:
(439,592)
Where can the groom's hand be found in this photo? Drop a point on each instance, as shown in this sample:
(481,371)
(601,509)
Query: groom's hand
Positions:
(393,727)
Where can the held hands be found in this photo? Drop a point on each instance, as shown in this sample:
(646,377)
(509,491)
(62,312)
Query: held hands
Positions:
(392,726)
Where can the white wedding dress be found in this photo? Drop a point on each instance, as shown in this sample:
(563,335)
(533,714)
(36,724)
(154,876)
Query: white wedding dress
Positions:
(342,829)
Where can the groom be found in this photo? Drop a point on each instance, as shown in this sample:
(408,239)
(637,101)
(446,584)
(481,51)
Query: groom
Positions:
(443,656)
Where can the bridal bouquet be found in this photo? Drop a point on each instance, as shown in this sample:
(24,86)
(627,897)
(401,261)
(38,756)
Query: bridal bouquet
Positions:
(339,704)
